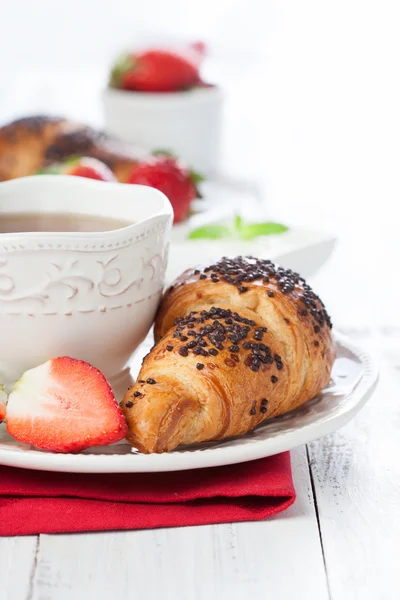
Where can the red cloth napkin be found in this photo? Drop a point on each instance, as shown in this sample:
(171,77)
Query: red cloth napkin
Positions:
(33,502)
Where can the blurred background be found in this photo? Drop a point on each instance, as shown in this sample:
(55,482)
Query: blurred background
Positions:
(312,114)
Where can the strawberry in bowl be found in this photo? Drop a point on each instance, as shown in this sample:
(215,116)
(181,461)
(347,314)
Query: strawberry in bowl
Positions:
(156,70)
(157,98)
(64,405)
(82,166)
(170,176)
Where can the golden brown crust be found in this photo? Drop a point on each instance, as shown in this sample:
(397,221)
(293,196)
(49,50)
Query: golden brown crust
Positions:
(285,357)
(30,144)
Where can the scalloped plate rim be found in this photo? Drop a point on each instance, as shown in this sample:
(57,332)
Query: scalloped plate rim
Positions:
(217,454)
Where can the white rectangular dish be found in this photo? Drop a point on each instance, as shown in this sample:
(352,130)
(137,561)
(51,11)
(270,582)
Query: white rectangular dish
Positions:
(301,250)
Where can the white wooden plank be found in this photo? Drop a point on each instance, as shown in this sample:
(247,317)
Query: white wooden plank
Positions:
(195,563)
(275,557)
(17,564)
(356,472)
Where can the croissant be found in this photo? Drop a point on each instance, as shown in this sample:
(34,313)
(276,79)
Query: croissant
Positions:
(29,144)
(240,341)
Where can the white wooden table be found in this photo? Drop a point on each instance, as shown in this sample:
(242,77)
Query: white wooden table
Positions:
(341,539)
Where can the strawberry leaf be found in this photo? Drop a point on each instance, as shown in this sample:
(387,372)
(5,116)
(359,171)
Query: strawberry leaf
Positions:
(124,63)
(71,161)
(196,177)
(58,168)
(51,170)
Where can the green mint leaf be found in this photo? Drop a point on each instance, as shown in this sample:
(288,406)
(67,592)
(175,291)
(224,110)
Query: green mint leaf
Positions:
(239,230)
(211,232)
(238,223)
(254,230)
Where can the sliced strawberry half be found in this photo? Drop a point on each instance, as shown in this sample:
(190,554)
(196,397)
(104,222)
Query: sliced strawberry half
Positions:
(64,405)
(82,166)
(91,168)
(3,399)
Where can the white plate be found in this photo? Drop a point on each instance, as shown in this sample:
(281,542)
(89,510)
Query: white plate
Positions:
(354,378)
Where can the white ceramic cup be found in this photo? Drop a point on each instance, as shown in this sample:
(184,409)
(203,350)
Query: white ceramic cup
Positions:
(187,123)
(92,296)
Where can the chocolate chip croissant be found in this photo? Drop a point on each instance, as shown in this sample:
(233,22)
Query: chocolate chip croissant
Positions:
(240,341)
(29,144)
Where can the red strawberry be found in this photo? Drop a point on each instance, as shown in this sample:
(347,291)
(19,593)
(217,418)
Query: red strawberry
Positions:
(166,174)
(3,398)
(91,168)
(64,405)
(156,71)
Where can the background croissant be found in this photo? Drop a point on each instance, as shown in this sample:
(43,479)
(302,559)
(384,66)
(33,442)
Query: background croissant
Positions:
(27,145)
(241,341)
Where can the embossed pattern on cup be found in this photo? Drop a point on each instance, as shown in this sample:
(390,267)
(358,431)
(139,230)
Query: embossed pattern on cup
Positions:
(91,295)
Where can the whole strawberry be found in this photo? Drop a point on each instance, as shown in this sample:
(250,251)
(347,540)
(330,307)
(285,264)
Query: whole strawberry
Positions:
(167,174)
(91,168)
(156,71)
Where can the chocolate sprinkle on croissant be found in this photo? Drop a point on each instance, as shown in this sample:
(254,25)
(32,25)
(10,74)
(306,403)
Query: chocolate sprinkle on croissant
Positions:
(217,333)
(239,270)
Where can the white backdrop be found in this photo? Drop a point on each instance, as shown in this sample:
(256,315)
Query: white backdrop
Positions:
(313,84)
(313,98)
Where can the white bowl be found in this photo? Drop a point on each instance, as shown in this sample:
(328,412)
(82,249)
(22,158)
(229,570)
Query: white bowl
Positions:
(92,296)
(187,123)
